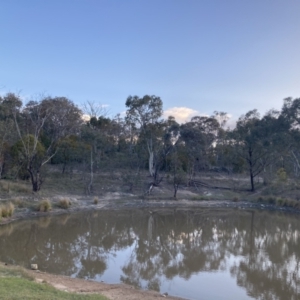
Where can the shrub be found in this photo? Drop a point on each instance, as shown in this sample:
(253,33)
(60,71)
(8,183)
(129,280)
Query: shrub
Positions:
(271,200)
(280,202)
(260,199)
(44,206)
(7,210)
(11,209)
(64,203)
(4,212)
(297,205)
(282,175)
(96,200)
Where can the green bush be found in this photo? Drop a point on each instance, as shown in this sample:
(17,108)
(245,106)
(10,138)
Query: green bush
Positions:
(280,202)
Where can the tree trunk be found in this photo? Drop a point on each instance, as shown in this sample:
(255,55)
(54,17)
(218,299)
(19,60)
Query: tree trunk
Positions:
(36,180)
(251,171)
(90,185)
(64,168)
(151,164)
(175,190)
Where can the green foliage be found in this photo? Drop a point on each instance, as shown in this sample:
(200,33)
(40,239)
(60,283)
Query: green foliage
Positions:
(52,130)
(27,151)
(282,175)
(19,152)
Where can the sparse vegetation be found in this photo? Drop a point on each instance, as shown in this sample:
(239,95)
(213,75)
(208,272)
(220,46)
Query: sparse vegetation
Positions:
(200,197)
(279,201)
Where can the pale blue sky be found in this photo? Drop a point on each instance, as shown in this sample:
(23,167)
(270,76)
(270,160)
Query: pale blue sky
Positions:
(221,55)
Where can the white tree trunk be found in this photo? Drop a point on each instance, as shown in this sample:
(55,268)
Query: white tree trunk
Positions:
(151,163)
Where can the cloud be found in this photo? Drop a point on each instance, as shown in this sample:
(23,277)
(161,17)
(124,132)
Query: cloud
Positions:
(85,117)
(181,114)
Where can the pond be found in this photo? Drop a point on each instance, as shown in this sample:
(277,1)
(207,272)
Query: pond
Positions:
(199,254)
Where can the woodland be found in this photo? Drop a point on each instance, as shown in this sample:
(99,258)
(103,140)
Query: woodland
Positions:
(53,131)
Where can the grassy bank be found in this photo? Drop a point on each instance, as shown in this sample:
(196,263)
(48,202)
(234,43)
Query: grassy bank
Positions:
(15,283)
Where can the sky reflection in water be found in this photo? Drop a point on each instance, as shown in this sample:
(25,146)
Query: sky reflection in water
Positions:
(200,254)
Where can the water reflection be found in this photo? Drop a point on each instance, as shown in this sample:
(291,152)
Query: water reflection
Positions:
(259,250)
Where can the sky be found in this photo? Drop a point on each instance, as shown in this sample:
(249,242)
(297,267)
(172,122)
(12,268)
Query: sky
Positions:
(198,56)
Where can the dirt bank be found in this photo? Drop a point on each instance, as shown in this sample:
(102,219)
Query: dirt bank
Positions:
(120,201)
(111,291)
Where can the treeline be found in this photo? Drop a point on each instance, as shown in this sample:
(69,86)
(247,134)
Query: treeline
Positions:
(53,130)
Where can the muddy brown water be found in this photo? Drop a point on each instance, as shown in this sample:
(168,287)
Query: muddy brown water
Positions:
(199,254)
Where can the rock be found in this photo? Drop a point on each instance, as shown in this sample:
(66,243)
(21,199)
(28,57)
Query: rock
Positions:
(34,266)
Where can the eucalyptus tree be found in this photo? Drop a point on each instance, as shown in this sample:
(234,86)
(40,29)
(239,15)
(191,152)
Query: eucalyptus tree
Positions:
(199,136)
(291,113)
(143,114)
(40,126)
(259,141)
(8,135)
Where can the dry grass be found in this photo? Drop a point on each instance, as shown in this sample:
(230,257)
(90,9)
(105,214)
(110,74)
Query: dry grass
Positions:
(7,210)
(64,203)
(12,187)
(44,206)
(279,201)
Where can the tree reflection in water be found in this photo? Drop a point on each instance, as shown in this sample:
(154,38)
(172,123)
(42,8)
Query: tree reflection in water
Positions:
(260,249)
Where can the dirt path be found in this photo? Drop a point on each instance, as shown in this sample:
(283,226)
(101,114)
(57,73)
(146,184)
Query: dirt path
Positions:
(111,291)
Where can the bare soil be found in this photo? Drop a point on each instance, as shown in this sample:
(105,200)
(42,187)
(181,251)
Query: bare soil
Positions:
(81,286)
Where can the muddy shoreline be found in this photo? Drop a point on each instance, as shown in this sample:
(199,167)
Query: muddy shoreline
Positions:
(80,204)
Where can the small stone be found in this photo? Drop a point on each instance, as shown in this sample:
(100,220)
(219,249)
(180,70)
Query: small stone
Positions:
(34,266)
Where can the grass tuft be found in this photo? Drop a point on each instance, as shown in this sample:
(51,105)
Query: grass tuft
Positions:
(64,203)
(44,206)
(7,210)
